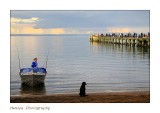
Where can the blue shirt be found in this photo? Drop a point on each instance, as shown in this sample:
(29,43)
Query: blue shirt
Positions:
(34,64)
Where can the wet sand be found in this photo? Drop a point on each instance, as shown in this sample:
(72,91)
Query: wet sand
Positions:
(112,97)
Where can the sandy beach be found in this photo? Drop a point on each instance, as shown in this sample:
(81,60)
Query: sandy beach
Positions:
(112,97)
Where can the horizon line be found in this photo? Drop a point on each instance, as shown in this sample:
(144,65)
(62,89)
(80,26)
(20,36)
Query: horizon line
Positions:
(43,34)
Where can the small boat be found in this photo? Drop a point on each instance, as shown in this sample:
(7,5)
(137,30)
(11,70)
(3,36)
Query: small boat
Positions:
(33,76)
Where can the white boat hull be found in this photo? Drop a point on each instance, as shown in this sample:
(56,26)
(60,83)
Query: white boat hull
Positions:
(31,78)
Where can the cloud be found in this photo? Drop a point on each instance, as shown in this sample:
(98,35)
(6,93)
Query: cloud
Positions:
(81,21)
(20,20)
(69,19)
(118,30)
(127,29)
(57,31)
(29,29)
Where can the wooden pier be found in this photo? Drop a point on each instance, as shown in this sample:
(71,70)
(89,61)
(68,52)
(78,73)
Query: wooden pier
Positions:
(142,41)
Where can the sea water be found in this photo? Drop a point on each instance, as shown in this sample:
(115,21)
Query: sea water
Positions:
(73,59)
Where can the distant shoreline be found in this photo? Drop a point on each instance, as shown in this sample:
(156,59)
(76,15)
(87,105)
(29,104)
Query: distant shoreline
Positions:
(110,97)
(46,34)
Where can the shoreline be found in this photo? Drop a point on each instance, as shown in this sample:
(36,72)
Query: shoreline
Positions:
(108,97)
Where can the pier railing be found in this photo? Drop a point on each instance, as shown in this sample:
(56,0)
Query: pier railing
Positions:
(137,41)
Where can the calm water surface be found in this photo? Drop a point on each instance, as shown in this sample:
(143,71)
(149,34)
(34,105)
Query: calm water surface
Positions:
(73,59)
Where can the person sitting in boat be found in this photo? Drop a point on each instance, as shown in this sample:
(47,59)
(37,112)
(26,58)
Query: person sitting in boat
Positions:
(34,63)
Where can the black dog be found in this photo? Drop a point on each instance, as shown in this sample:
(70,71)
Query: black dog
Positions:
(83,89)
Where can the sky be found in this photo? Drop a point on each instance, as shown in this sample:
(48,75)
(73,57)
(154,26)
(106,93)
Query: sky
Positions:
(79,21)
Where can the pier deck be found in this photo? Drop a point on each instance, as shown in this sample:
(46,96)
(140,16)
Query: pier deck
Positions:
(143,41)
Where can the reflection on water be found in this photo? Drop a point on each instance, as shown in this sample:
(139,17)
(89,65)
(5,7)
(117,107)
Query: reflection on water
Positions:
(36,90)
(98,47)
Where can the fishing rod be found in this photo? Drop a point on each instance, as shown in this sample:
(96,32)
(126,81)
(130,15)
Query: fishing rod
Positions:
(19,59)
(46,61)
